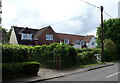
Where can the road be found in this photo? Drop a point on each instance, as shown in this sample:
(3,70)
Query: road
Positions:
(109,73)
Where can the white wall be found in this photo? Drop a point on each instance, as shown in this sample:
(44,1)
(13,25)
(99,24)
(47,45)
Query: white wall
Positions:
(77,46)
(89,44)
(13,39)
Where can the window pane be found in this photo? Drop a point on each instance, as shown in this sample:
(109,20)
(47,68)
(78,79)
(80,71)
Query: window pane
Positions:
(26,36)
(66,41)
(49,37)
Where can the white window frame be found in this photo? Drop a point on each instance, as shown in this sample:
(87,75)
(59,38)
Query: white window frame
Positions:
(78,41)
(93,43)
(82,42)
(66,41)
(28,36)
(49,37)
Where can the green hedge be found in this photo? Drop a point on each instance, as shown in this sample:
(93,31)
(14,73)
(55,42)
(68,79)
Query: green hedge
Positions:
(12,70)
(55,55)
(52,56)
(86,55)
(16,53)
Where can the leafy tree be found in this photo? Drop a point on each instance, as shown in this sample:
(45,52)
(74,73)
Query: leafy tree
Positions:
(109,45)
(8,32)
(1,28)
(111,31)
(110,48)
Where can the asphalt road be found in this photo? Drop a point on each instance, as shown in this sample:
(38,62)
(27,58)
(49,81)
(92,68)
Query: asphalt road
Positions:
(109,73)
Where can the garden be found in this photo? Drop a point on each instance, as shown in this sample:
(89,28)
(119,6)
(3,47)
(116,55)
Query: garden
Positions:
(20,60)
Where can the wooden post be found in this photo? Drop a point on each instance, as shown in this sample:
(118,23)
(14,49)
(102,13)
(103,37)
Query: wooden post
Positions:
(102,35)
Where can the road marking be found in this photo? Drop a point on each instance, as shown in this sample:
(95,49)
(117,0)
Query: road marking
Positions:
(112,75)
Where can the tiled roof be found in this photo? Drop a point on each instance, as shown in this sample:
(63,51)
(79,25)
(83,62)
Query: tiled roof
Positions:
(39,32)
(70,36)
(88,38)
(25,30)
(73,38)
(18,30)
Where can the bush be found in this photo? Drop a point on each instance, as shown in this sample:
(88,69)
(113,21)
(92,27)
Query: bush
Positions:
(61,55)
(110,50)
(12,70)
(51,56)
(72,56)
(55,55)
(15,53)
(83,50)
(86,56)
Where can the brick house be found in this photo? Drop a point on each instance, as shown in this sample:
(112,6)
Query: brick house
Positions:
(46,35)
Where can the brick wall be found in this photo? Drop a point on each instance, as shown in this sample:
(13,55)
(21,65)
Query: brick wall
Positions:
(42,38)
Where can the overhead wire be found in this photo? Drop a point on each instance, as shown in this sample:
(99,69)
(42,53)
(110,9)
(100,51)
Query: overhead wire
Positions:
(68,20)
(79,16)
(96,7)
(108,14)
(64,21)
(90,4)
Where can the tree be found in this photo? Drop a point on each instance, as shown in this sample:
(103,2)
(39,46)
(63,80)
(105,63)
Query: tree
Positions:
(111,31)
(7,32)
(110,48)
(3,35)
(3,29)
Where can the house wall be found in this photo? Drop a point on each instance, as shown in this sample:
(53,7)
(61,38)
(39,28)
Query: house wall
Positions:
(13,39)
(42,38)
(89,44)
(77,46)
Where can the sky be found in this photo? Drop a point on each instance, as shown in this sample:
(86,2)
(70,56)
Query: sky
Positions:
(64,16)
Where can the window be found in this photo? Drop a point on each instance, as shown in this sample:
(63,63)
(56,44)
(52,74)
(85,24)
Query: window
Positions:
(49,37)
(26,36)
(78,42)
(66,41)
(82,42)
(93,43)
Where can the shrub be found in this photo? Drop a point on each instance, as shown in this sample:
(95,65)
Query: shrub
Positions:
(55,55)
(12,70)
(36,53)
(83,50)
(15,53)
(72,56)
(110,50)
(86,56)
(61,55)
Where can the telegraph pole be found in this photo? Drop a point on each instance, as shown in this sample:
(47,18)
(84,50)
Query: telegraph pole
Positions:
(102,35)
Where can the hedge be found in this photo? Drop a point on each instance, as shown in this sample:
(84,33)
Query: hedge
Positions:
(55,55)
(12,70)
(51,56)
(16,53)
(86,55)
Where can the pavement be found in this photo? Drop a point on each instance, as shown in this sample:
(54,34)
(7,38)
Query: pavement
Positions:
(47,74)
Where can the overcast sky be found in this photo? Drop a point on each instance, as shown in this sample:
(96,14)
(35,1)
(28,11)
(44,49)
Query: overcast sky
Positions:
(57,13)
